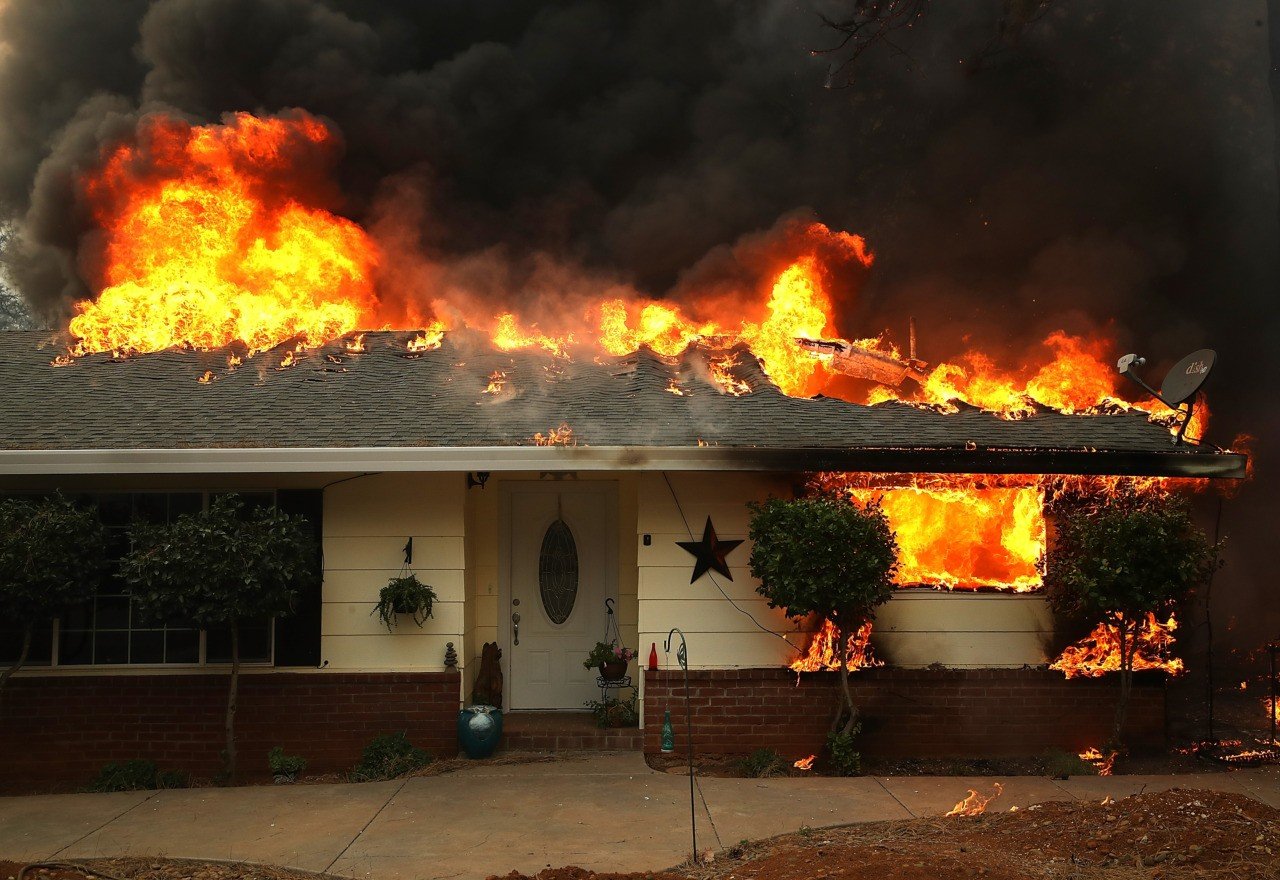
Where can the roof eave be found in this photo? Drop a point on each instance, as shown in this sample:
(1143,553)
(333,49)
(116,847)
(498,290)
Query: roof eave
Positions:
(243,460)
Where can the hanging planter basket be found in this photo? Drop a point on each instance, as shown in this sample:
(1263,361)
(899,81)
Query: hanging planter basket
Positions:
(615,670)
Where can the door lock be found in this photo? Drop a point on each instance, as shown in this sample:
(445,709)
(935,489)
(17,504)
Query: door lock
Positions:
(515,622)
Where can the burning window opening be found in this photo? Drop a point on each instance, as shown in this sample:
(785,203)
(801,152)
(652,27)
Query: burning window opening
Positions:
(823,654)
(1098,653)
(561,436)
(975,804)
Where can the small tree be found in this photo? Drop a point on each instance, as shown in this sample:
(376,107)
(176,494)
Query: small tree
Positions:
(825,556)
(51,554)
(217,568)
(1122,563)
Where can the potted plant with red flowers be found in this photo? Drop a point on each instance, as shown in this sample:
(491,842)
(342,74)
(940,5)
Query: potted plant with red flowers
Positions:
(611,659)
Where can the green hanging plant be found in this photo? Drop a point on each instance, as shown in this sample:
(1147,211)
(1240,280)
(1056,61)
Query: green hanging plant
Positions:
(404,594)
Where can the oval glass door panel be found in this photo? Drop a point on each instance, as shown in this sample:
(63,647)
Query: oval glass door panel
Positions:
(558,571)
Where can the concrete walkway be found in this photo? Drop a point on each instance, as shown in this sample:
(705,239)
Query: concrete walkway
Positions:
(605,811)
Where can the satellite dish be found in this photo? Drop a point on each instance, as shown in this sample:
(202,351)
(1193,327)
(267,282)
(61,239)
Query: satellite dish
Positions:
(1186,376)
(1180,385)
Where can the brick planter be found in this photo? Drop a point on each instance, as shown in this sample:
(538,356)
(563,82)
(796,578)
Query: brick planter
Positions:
(907,713)
(64,728)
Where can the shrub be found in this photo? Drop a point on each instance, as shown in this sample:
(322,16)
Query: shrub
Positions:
(137,775)
(288,766)
(762,763)
(389,756)
(825,556)
(1059,765)
(1121,563)
(612,712)
(216,568)
(51,554)
(845,759)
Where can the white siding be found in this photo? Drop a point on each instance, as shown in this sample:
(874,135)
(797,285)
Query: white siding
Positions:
(367,522)
(719,634)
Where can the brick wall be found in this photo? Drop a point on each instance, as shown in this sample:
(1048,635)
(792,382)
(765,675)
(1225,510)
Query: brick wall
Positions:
(920,713)
(65,728)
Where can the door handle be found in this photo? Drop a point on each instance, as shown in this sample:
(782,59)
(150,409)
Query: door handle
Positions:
(515,622)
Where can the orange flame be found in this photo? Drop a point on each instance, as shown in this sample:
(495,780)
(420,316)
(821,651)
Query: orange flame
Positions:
(428,340)
(206,377)
(975,804)
(355,345)
(561,436)
(1102,762)
(823,654)
(722,375)
(497,381)
(805,763)
(1099,652)
(62,360)
(209,235)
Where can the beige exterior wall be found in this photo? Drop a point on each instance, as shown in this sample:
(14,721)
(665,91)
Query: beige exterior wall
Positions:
(367,521)
(963,630)
(719,634)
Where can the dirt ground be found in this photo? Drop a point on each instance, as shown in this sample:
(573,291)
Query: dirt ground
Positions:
(1172,835)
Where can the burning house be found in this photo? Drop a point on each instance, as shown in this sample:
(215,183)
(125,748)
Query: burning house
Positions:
(455,458)
(515,313)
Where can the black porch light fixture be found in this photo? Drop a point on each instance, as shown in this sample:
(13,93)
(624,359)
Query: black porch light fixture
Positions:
(479,478)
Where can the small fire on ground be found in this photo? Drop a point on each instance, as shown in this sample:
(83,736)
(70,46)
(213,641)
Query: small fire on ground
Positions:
(976,804)
(805,763)
(1101,762)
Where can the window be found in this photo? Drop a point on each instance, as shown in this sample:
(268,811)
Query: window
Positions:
(108,630)
(558,572)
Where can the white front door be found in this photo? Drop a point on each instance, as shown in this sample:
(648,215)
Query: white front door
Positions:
(562,563)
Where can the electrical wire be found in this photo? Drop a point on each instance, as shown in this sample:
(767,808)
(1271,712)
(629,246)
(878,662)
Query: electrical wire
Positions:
(728,598)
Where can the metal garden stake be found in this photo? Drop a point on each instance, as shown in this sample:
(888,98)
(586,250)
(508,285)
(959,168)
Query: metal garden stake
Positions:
(682,657)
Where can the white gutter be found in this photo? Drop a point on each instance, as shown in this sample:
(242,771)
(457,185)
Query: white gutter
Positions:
(244,460)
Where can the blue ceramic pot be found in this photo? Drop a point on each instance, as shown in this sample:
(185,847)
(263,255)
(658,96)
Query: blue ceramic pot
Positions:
(479,730)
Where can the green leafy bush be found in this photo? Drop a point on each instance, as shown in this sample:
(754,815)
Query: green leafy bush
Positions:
(845,759)
(137,775)
(763,763)
(612,712)
(1121,563)
(389,756)
(288,766)
(825,556)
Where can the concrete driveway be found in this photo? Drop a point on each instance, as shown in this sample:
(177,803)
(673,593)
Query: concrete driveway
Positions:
(603,811)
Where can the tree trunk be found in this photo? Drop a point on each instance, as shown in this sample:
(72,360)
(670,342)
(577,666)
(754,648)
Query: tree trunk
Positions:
(847,710)
(1127,639)
(231,703)
(22,655)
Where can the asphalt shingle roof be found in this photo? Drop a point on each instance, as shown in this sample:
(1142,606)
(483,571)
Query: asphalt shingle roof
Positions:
(385,398)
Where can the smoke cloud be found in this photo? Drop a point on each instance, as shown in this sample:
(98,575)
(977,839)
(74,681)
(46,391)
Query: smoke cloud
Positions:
(1113,171)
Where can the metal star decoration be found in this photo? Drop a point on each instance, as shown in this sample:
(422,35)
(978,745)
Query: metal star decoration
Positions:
(709,553)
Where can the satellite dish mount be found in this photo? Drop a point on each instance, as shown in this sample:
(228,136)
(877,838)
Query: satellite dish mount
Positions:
(1178,391)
